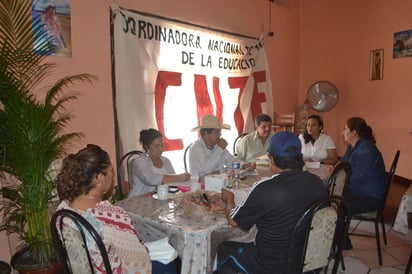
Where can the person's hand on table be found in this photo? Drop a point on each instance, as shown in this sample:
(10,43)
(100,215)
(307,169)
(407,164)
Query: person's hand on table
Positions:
(227,196)
(332,167)
(184,177)
(229,199)
(249,166)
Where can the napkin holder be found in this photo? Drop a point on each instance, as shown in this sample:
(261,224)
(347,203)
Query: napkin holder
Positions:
(215,182)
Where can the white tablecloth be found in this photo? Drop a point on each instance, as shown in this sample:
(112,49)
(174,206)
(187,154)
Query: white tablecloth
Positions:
(405,207)
(196,240)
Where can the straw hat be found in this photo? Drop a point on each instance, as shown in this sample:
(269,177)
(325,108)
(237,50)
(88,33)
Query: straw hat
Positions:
(211,121)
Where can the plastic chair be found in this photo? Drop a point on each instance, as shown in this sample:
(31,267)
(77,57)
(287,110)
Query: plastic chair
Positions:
(71,245)
(236,140)
(284,121)
(339,179)
(123,182)
(316,237)
(377,216)
(185,155)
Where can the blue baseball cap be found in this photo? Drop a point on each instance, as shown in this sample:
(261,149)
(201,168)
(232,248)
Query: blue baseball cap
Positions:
(285,144)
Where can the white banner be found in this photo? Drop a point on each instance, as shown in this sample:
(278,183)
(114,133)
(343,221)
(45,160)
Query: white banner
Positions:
(169,74)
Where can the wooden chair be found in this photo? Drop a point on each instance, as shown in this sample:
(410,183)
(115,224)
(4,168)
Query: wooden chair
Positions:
(377,216)
(318,229)
(284,122)
(72,237)
(125,175)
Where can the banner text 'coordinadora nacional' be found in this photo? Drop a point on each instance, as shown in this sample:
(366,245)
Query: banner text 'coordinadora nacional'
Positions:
(148,31)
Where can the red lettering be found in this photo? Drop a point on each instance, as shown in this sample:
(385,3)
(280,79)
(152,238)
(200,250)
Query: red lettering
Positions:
(203,103)
(165,79)
(240,83)
(258,97)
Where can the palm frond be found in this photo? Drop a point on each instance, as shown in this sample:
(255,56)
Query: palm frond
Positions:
(32,131)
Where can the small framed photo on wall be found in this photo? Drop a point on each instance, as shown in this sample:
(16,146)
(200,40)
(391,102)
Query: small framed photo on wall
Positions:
(376,65)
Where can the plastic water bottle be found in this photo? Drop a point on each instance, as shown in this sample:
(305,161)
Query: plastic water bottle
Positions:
(235,171)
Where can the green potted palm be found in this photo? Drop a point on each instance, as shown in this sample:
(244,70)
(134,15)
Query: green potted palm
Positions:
(32,130)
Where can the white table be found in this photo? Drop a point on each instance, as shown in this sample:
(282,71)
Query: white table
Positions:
(195,240)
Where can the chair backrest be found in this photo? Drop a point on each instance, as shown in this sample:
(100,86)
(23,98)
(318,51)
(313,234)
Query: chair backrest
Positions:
(236,140)
(284,121)
(390,177)
(339,179)
(73,241)
(185,156)
(317,234)
(5,268)
(125,169)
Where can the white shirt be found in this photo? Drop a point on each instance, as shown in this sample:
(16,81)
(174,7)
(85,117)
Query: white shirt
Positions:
(250,147)
(204,160)
(318,150)
(146,177)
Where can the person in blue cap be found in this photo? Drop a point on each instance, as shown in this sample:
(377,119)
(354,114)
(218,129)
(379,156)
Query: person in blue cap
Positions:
(274,205)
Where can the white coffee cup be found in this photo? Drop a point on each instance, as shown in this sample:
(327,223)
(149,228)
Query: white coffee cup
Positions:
(194,186)
(194,178)
(162,192)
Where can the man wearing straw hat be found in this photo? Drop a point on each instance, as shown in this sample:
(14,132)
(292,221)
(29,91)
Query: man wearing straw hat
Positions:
(209,153)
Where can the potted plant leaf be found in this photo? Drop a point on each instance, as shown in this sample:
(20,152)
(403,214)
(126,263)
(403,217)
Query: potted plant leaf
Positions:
(32,130)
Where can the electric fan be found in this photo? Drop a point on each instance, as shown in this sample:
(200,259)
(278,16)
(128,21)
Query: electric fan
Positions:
(322,96)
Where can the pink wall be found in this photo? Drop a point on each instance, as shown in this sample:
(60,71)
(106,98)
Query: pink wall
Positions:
(335,41)
(314,40)
(91,54)
(91,50)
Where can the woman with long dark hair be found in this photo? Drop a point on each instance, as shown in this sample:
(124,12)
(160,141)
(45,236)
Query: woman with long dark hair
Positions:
(366,188)
(317,146)
(83,184)
(152,168)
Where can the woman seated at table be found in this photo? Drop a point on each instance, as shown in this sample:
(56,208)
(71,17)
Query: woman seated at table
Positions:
(317,146)
(86,178)
(366,188)
(152,169)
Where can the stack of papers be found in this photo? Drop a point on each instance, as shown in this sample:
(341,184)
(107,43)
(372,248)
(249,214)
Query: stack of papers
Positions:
(263,160)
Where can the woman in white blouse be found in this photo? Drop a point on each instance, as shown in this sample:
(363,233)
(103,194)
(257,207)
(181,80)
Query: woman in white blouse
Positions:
(152,169)
(317,146)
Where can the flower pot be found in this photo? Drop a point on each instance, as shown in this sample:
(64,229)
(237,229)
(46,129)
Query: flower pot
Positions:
(4,268)
(24,263)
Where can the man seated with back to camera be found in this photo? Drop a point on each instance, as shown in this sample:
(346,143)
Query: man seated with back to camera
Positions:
(256,143)
(274,205)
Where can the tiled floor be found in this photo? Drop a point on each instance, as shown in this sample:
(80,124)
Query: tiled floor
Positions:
(363,259)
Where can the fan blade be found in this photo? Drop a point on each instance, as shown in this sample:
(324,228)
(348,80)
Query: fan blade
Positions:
(321,103)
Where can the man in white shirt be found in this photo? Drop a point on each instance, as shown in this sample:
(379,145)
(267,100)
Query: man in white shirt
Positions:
(256,143)
(209,153)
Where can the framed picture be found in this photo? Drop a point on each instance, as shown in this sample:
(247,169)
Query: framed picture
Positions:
(376,65)
(402,44)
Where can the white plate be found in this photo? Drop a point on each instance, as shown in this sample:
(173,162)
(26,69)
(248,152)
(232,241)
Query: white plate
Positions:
(156,196)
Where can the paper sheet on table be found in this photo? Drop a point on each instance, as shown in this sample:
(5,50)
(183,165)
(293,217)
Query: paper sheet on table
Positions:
(263,160)
(180,183)
(312,164)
